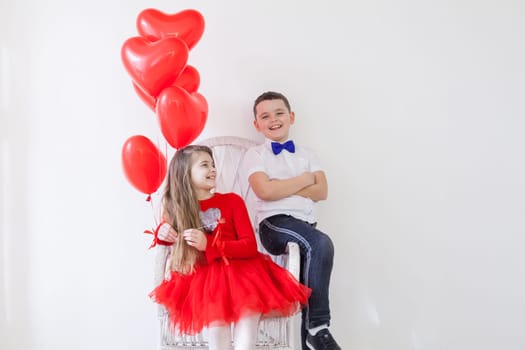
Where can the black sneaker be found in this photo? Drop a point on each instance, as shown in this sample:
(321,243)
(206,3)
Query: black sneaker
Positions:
(322,340)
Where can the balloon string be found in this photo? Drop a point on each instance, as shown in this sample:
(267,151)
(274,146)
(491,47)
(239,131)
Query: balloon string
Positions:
(166,154)
(153,213)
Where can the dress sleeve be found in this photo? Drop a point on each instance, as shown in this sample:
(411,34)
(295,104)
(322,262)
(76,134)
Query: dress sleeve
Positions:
(156,240)
(245,245)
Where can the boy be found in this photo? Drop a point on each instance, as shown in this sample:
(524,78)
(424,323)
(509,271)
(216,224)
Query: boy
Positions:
(287,180)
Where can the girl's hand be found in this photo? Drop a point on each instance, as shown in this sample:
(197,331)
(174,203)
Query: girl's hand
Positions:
(167,233)
(195,238)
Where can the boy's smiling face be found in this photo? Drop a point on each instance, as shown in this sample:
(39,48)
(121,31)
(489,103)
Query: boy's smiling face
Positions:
(273,119)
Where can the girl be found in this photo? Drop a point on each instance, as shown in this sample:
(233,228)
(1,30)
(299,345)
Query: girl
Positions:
(217,277)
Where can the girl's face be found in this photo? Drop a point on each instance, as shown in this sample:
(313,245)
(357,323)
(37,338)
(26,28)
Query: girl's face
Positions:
(203,174)
(273,119)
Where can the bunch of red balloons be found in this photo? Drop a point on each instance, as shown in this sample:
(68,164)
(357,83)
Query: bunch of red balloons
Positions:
(156,60)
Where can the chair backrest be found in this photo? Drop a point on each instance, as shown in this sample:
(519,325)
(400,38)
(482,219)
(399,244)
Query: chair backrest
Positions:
(228,154)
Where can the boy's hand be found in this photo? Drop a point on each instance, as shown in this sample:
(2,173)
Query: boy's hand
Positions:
(195,238)
(318,190)
(309,178)
(167,233)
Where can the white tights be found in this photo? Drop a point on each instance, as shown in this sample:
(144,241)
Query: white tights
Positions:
(244,334)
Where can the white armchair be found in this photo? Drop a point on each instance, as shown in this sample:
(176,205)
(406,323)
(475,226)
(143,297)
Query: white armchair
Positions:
(274,333)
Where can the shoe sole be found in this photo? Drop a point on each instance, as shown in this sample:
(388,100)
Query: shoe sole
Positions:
(309,346)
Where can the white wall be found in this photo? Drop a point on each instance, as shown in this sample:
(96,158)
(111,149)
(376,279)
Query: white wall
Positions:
(415,107)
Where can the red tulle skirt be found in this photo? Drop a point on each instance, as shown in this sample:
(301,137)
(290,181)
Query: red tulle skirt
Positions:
(219,293)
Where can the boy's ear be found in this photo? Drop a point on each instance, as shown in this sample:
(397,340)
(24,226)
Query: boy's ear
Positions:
(292,117)
(256,125)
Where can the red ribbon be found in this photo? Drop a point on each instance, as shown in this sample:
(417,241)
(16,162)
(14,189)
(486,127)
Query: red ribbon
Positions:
(155,234)
(217,241)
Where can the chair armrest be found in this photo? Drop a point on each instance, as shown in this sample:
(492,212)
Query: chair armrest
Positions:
(293,264)
(159,269)
(159,272)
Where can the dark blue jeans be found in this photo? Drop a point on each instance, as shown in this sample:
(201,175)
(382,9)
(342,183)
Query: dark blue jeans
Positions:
(317,256)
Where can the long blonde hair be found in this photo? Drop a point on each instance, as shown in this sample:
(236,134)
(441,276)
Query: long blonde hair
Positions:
(181,207)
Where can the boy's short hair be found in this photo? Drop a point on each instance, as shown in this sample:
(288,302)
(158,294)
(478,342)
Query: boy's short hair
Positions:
(270,95)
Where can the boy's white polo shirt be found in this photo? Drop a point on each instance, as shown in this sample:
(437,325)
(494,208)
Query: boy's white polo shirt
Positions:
(282,166)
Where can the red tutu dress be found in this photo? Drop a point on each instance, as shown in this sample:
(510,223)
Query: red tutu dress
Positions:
(234,280)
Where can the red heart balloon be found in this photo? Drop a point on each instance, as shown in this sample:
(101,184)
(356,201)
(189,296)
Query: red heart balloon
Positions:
(189,79)
(143,164)
(182,116)
(147,99)
(187,25)
(154,65)
(202,105)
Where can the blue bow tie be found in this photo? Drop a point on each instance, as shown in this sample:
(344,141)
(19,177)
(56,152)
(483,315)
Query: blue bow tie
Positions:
(278,147)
